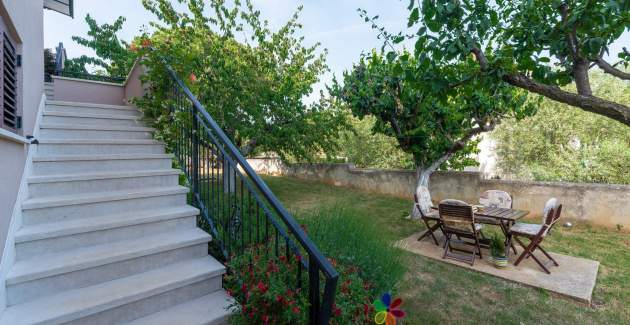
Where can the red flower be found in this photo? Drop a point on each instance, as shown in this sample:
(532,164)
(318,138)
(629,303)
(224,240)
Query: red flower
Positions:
(265,319)
(230,293)
(296,309)
(279,298)
(298,257)
(336,311)
(146,42)
(192,77)
(244,287)
(262,287)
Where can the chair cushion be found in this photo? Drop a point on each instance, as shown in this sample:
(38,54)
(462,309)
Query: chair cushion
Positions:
(551,204)
(530,229)
(433,215)
(454,202)
(496,199)
(424,200)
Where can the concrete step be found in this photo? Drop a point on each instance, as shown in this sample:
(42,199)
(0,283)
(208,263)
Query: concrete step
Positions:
(212,309)
(98,147)
(51,273)
(48,238)
(69,131)
(68,164)
(71,107)
(90,119)
(81,183)
(67,207)
(124,299)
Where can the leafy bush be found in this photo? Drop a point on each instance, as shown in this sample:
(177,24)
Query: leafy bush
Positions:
(366,149)
(263,286)
(259,282)
(350,239)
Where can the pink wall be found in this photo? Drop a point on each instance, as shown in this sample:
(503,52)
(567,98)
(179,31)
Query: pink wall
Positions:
(133,85)
(87,91)
(97,92)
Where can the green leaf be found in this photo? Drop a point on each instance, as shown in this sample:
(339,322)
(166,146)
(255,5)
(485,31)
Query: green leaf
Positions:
(413,17)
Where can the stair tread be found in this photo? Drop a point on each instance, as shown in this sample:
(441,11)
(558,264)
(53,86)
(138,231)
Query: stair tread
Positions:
(76,226)
(73,199)
(103,157)
(91,105)
(77,303)
(100,175)
(91,115)
(100,141)
(95,127)
(47,265)
(204,310)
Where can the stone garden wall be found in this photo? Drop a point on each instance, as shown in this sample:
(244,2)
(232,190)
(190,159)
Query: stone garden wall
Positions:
(600,204)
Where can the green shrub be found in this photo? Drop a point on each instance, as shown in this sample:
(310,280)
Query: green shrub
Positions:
(263,286)
(349,238)
(259,282)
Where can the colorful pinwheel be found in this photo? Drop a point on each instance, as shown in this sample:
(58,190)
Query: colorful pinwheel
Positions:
(387,310)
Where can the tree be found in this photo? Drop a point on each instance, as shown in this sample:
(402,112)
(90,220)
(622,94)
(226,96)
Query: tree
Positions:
(432,118)
(536,45)
(560,144)
(254,86)
(113,54)
(49,64)
(364,148)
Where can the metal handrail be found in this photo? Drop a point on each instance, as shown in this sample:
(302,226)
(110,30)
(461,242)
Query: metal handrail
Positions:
(319,313)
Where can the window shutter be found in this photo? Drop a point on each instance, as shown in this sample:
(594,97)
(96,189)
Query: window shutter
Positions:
(9,85)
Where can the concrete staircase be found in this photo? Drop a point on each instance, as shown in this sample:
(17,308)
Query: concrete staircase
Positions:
(107,236)
(49,90)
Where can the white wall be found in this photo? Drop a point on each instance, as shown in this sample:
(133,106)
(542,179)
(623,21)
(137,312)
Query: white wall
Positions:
(25,23)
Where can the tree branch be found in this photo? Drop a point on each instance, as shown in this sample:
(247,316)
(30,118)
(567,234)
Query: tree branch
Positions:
(481,58)
(589,103)
(570,36)
(592,104)
(606,67)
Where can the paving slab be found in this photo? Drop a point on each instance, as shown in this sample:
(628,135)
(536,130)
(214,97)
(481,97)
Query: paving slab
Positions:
(574,278)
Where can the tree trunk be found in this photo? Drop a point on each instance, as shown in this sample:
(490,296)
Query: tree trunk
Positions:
(580,74)
(422,179)
(228,176)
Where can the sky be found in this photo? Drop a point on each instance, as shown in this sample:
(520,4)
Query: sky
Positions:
(335,24)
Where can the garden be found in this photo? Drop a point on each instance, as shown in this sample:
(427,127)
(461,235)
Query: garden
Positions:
(360,228)
(454,73)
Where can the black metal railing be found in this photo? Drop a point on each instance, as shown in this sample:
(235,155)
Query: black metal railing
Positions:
(237,208)
(89,76)
(60,70)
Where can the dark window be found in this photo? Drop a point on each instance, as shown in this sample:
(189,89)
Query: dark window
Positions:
(9,85)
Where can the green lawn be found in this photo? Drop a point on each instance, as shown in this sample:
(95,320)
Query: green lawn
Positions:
(438,293)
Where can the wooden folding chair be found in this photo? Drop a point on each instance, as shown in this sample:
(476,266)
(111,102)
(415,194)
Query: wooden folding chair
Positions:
(536,233)
(429,217)
(458,219)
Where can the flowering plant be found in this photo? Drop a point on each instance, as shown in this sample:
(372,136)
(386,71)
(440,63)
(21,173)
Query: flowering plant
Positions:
(264,287)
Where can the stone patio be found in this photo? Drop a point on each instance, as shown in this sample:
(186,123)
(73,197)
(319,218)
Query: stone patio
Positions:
(574,278)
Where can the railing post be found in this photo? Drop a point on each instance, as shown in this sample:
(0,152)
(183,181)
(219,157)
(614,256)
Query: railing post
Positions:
(195,152)
(313,291)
